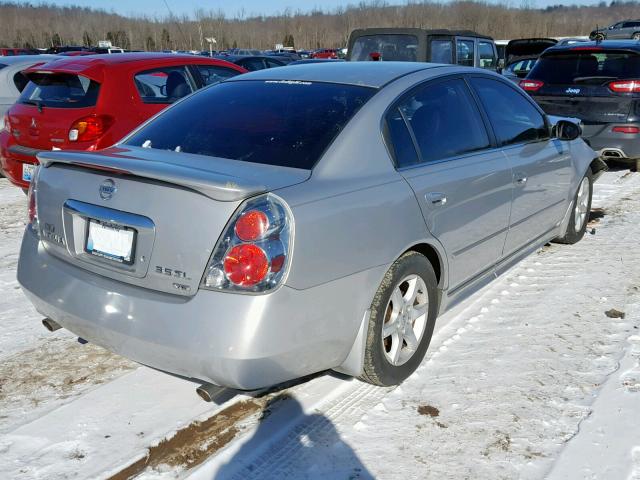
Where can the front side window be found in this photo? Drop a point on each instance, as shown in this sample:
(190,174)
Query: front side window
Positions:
(212,74)
(274,122)
(487,55)
(441,51)
(445,121)
(512,115)
(390,47)
(163,85)
(464,51)
(60,90)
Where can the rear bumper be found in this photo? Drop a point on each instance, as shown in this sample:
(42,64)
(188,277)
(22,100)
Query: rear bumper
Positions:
(12,159)
(612,144)
(239,341)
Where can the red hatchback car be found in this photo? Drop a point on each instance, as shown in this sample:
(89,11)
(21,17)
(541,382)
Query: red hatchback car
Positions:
(91,102)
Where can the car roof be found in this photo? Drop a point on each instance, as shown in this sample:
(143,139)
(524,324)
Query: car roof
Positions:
(603,45)
(368,74)
(93,66)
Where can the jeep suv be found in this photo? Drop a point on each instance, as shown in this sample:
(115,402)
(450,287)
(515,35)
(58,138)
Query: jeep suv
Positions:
(599,83)
(462,47)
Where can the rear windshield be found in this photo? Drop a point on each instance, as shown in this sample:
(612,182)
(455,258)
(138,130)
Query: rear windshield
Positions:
(276,122)
(60,90)
(390,47)
(586,67)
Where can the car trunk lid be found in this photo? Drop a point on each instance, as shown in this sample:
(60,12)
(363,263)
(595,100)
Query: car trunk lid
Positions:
(134,216)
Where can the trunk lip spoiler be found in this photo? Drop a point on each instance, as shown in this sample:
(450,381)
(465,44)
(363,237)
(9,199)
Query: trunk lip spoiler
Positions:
(215,185)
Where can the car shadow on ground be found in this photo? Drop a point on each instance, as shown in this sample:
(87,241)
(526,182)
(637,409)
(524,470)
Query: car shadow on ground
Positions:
(289,441)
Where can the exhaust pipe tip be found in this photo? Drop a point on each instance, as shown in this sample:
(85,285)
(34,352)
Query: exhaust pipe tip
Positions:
(50,325)
(209,392)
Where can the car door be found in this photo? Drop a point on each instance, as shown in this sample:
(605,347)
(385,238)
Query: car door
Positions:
(541,166)
(461,181)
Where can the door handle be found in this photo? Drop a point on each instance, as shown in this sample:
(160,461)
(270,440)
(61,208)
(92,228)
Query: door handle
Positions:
(521,178)
(436,198)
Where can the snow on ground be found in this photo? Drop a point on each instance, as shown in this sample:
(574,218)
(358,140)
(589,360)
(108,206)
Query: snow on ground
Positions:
(529,378)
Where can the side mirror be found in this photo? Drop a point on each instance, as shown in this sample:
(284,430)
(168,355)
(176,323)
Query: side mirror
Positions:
(566,130)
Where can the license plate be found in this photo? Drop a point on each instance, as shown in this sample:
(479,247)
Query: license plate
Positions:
(110,241)
(28,170)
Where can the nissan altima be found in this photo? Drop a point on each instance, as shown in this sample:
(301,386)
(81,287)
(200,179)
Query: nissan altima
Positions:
(300,219)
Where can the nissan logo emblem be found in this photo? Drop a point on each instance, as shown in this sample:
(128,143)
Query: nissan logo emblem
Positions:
(107,189)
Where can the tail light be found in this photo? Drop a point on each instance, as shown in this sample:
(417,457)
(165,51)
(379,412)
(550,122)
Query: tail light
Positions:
(6,125)
(32,203)
(89,128)
(531,85)
(254,251)
(625,86)
(626,129)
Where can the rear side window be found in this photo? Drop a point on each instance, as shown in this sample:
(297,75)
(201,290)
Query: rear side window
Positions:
(212,74)
(252,64)
(487,56)
(445,121)
(464,51)
(513,117)
(402,145)
(391,47)
(60,90)
(163,85)
(586,67)
(20,81)
(284,123)
(441,51)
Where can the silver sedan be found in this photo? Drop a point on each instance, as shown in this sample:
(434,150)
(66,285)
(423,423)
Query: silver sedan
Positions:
(300,219)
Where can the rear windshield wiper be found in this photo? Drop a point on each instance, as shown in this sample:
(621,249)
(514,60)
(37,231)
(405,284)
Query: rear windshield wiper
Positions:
(40,105)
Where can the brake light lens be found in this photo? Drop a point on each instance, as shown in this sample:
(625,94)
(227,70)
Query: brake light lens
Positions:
(6,125)
(626,129)
(254,251)
(32,215)
(252,225)
(625,86)
(531,85)
(89,128)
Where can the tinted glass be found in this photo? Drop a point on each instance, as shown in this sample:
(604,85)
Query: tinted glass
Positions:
(390,47)
(273,63)
(586,67)
(163,85)
(60,90)
(513,117)
(252,64)
(402,146)
(486,55)
(464,50)
(20,81)
(445,121)
(441,51)
(211,74)
(274,122)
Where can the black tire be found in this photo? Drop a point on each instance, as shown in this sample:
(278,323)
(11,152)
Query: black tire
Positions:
(572,235)
(378,369)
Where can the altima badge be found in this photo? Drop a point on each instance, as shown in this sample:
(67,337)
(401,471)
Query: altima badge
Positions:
(107,189)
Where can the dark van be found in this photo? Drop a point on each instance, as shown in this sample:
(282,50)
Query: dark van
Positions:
(462,47)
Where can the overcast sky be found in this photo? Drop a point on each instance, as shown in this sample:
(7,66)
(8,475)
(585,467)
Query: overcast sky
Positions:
(231,8)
